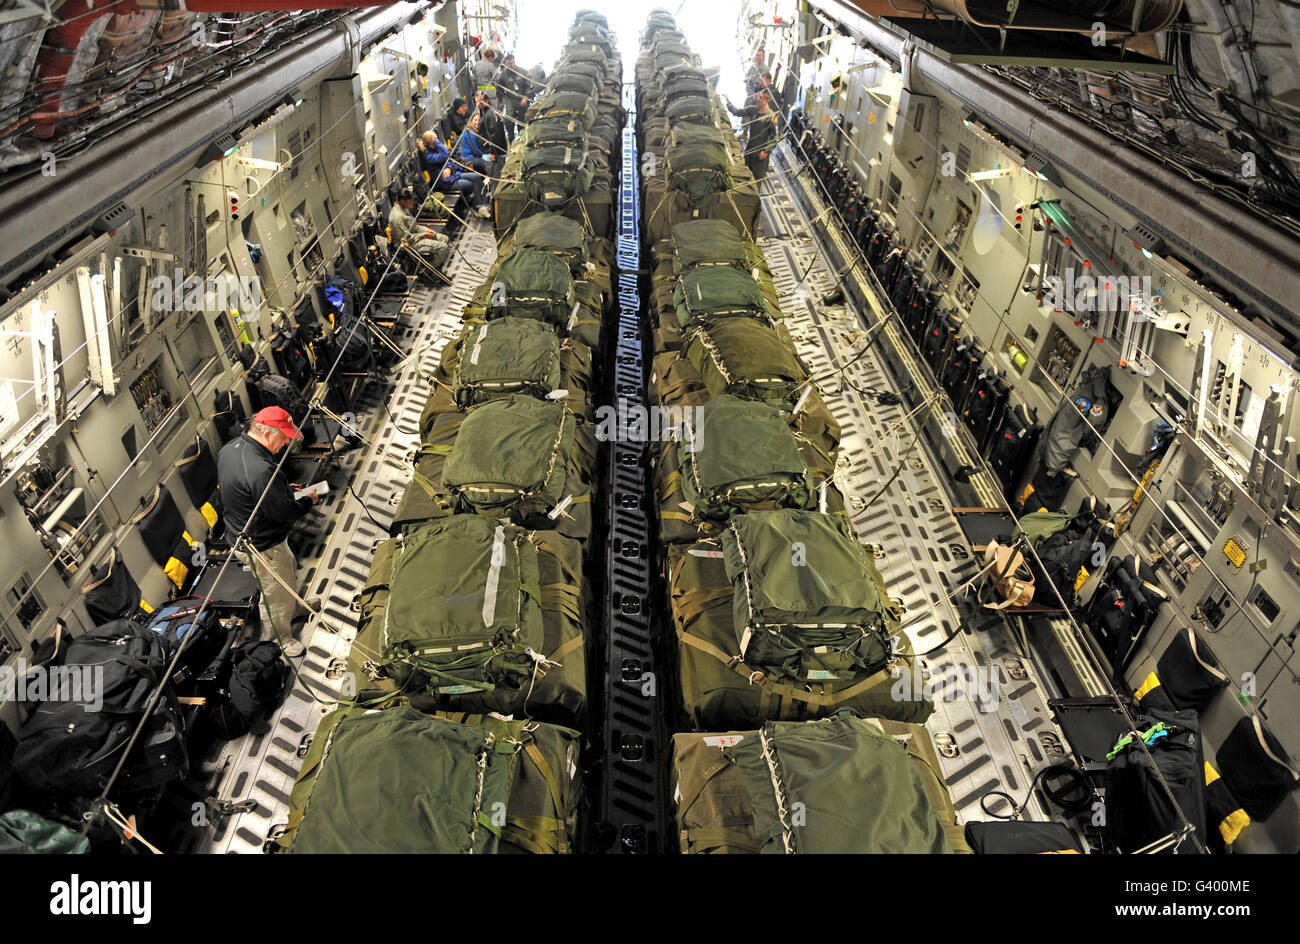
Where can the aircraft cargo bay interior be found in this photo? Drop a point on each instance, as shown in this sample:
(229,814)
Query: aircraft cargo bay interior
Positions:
(756,426)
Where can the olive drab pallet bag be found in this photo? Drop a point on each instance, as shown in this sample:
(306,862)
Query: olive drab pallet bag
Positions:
(506,356)
(808,602)
(745,358)
(499,368)
(737,456)
(839,785)
(557,175)
(401,781)
(553,680)
(708,293)
(525,459)
(557,235)
(533,283)
(463,613)
(721,691)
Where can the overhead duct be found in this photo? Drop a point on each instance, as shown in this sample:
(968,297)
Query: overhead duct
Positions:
(1121,17)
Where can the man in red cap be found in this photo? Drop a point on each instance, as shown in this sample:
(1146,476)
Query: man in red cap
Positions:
(258,504)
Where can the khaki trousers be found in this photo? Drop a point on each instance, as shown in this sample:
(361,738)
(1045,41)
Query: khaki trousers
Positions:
(279,605)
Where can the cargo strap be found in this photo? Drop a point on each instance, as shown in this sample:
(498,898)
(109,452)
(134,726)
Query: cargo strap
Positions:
(779,792)
(825,699)
(712,836)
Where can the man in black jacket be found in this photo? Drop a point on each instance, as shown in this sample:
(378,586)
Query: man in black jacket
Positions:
(760,132)
(246,471)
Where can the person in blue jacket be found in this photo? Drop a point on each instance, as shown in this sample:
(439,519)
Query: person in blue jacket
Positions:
(472,147)
(450,179)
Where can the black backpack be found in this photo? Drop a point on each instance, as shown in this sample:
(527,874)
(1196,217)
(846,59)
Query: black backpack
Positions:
(1138,809)
(258,683)
(67,747)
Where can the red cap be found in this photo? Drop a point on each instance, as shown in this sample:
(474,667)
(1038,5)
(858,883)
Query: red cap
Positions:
(277,418)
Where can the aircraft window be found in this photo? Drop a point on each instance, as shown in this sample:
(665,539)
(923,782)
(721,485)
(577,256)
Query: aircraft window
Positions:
(963,160)
(892,194)
(129,443)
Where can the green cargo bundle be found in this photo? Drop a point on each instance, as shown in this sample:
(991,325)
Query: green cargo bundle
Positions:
(668,205)
(509,355)
(401,781)
(586,84)
(680,520)
(698,162)
(463,614)
(585,52)
(485,617)
(676,382)
(709,242)
(525,459)
(840,785)
(738,456)
(696,109)
(809,603)
(740,356)
(556,176)
(695,244)
(424,500)
(559,235)
(708,293)
(553,132)
(514,356)
(532,283)
(576,105)
(721,691)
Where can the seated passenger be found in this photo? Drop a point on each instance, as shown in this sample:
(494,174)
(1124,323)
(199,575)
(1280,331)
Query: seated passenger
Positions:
(453,122)
(472,147)
(449,179)
(429,245)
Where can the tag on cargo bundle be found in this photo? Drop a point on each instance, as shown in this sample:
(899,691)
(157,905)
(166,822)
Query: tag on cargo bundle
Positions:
(723,740)
(455,689)
(558,510)
(821,675)
(557,394)
(821,497)
(478,345)
(803,399)
(697,552)
(573,317)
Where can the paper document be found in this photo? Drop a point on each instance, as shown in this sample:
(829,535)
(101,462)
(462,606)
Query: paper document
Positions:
(320,488)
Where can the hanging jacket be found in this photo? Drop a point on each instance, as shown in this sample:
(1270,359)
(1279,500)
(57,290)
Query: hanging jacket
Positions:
(1086,412)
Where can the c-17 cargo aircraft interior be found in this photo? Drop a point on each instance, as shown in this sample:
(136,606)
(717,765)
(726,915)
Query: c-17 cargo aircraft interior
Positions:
(753,426)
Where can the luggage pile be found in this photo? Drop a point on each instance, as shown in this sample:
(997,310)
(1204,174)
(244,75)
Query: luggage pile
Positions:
(787,642)
(478,609)
(564,158)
